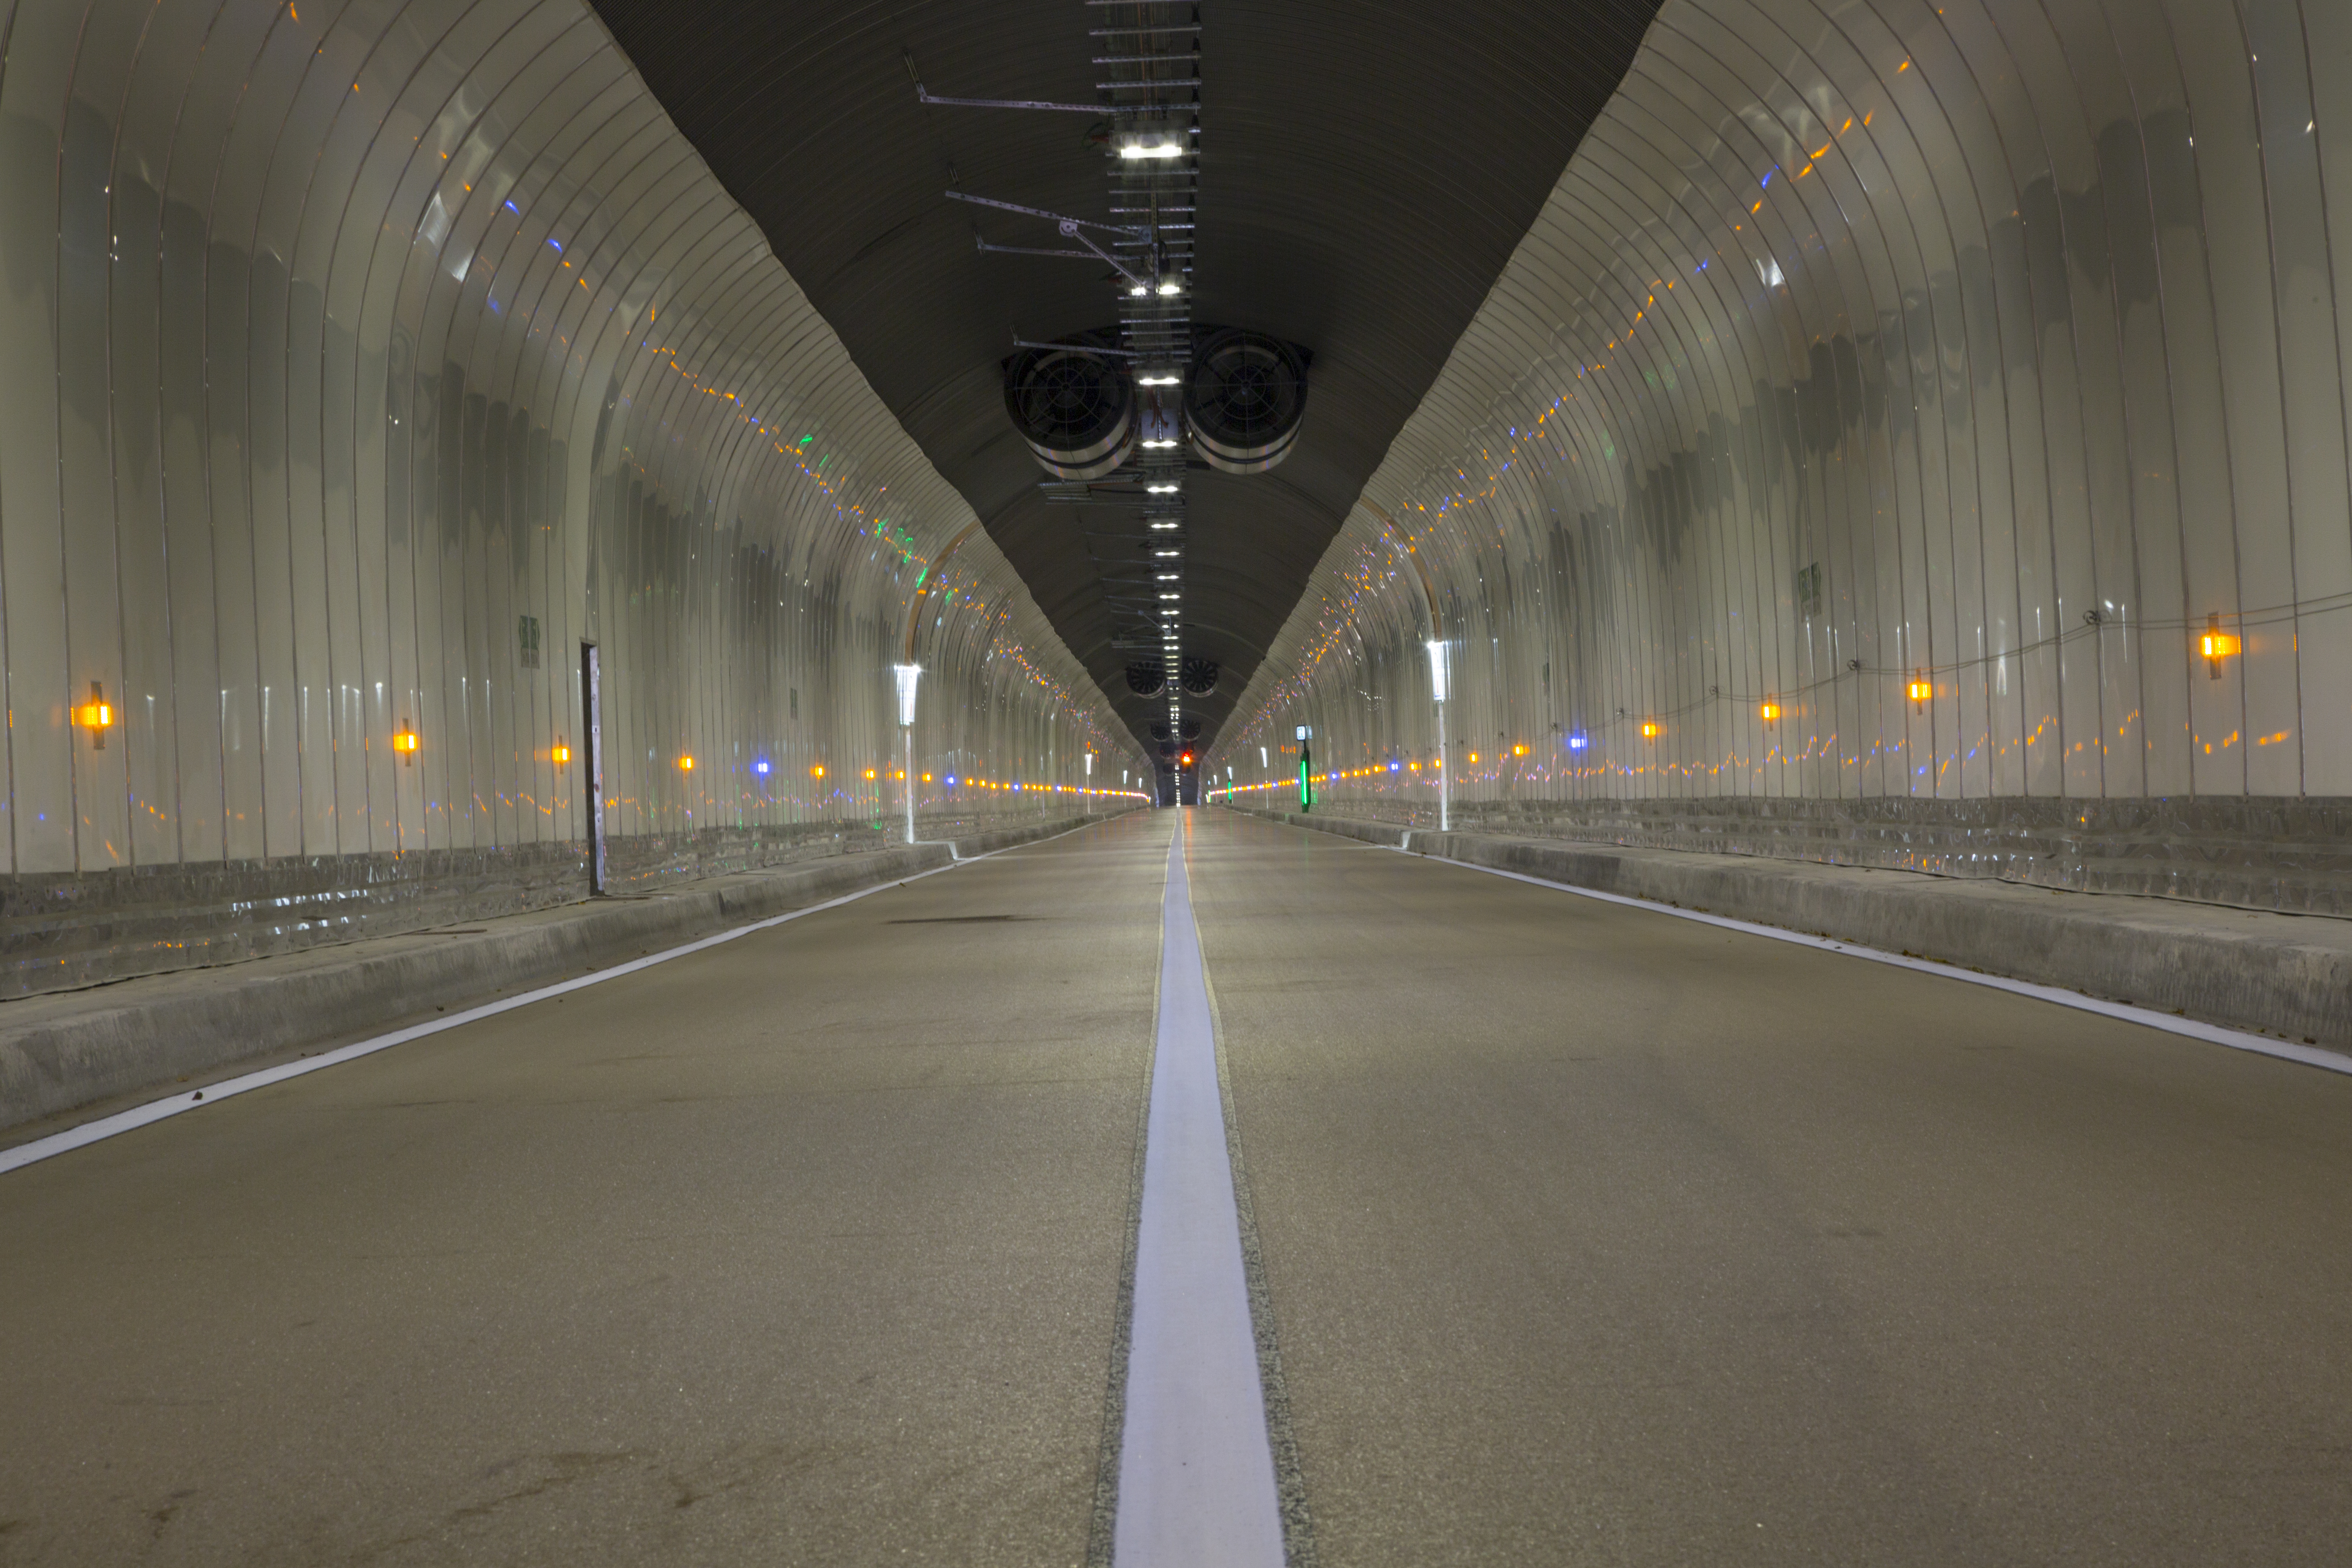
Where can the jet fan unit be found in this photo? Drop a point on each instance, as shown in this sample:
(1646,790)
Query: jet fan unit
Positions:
(1074,407)
(1243,400)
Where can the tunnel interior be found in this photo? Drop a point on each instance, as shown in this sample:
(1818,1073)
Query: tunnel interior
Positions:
(1175,780)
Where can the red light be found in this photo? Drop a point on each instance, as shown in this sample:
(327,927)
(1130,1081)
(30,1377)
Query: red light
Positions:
(1188,759)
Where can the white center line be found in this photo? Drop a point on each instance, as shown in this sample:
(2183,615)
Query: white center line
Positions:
(1196,1481)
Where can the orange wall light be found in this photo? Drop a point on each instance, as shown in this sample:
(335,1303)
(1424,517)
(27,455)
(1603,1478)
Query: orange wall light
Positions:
(405,742)
(686,764)
(560,753)
(1651,728)
(96,716)
(2214,646)
(1769,711)
(817,772)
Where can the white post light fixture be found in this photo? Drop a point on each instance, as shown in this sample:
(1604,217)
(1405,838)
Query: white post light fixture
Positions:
(908,676)
(1438,687)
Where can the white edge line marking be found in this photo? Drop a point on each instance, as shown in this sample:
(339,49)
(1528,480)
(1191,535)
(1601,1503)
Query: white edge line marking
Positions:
(2172,1024)
(138,1116)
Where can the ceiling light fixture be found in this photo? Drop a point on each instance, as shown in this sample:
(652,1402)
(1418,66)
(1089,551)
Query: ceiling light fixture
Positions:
(1155,139)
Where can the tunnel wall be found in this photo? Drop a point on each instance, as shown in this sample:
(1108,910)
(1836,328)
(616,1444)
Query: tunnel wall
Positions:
(360,361)
(1997,347)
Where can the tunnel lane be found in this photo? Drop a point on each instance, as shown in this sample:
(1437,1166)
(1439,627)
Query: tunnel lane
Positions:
(1598,1235)
(804,1249)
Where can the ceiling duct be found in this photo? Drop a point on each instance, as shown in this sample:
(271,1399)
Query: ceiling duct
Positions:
(1200,676)
(1075,406)
(1146,679)
(1245,399)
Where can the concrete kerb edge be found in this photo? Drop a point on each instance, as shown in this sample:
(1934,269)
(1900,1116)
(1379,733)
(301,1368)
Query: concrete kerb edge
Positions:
(146,1033)
(2172,965)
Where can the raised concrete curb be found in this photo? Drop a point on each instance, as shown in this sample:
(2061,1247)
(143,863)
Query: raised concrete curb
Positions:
(68,1049)
(2286,975)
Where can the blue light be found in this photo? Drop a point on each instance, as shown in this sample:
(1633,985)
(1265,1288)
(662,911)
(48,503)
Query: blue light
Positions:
(952,781)
(1576,742)
(761,767)
(1394,764)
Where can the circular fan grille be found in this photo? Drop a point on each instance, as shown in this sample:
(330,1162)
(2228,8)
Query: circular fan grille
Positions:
(1146,679)
(1190,729)
(1200,676)
(1075,410)
(1247,394)
(1159,730)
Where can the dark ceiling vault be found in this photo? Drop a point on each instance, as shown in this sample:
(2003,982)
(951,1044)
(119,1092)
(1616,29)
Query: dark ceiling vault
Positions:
(1365,170)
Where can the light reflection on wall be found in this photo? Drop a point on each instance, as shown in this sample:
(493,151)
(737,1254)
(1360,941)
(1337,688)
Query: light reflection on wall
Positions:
(1994,350)
(354,372)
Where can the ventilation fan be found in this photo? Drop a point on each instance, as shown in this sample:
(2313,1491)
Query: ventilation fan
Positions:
(1159,730)
(1076,409)
(1245,399)
(1200,676)
(1190,729)
(1148,679)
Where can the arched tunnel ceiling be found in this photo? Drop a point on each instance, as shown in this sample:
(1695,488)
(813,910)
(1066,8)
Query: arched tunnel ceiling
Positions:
(1365,171)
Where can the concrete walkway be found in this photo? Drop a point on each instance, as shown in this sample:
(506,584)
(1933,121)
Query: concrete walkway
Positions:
(2285,976)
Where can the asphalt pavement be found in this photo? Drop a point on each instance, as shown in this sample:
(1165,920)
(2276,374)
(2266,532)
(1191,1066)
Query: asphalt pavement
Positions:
(1589,1234)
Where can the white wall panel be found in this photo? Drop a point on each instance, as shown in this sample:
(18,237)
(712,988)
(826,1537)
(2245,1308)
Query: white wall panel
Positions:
(1994,345)
(348,347)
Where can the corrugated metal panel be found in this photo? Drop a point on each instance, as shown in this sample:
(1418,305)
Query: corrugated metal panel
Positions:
(1994,349)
